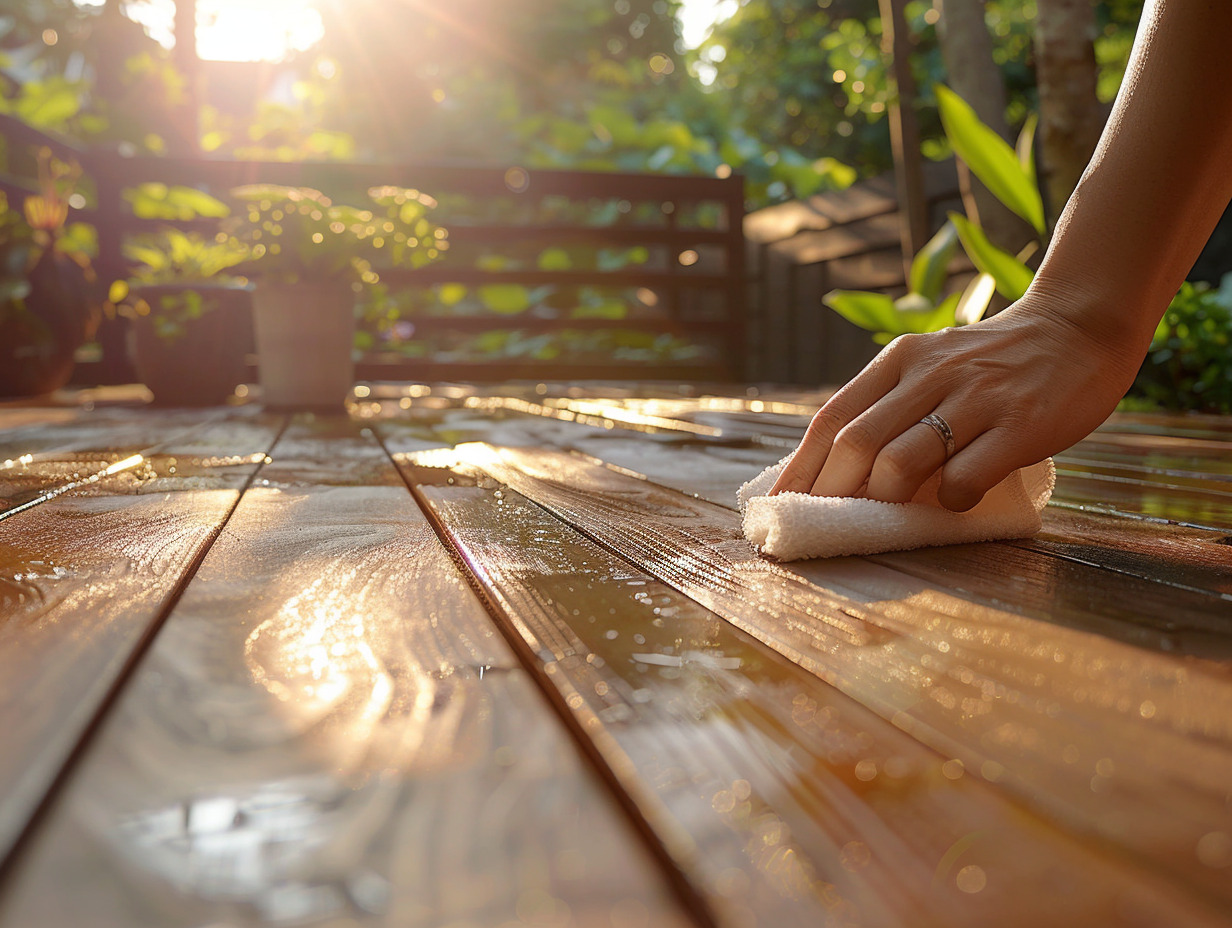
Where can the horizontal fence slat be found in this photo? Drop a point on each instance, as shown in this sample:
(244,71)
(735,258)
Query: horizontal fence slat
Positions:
(626,277)
(477,180)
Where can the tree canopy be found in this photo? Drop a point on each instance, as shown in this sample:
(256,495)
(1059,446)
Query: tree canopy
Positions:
(792,93)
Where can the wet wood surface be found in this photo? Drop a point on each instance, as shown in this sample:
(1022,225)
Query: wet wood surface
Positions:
(328,724)
(96,538)
(502,657)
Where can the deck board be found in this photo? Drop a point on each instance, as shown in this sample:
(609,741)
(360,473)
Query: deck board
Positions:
(1005,693)
(743,763)
(637,722)
(328,723)
(84,577)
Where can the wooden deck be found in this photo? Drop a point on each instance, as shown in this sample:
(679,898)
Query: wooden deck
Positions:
(504,659)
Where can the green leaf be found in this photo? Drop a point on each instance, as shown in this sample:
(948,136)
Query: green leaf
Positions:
(927,318)
(49,104)
(158,201)
(1012,276)
(554,259)
(872,311)
(506,299)
(451,294)
(929,268)
(607,309)
(990,158)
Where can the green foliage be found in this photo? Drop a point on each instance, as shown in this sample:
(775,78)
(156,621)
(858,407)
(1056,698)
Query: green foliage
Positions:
(172,256)
(886,317)
(930,268)
(1012,277)
(801,77)
(170,313)
(1189,364)
(159,201)
(49,295)
(293,234)
(923,308)
(49,104)
(1007,173)
(995,163)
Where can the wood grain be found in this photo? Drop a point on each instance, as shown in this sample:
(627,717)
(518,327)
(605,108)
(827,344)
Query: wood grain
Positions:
(1078,727)
(743,762)
(328,730)
(85,576)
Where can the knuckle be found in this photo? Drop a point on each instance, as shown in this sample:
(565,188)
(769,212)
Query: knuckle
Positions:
(898,465)
(858,439)
(897,474)
(962,488)
(825,425)
(903,347)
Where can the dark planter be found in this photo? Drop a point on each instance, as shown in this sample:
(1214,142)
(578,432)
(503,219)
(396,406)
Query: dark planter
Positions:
(37,340)
(202,362)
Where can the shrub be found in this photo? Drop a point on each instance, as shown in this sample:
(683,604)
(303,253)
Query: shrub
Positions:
(1189,364)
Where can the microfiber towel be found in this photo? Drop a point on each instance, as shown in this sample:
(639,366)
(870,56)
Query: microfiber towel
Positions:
(791,526)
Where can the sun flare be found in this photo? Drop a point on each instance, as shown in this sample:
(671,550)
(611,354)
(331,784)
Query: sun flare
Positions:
(236,30)
(255,30)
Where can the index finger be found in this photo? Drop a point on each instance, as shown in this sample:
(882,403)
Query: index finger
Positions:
(870,385)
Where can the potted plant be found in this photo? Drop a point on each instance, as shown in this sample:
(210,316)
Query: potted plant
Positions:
(310,258)
(50,298)
(190,330)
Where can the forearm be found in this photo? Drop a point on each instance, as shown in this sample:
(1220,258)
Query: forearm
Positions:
(1157,184)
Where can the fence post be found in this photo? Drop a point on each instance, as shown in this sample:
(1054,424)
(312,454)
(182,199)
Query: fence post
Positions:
(106,166)
(737,335)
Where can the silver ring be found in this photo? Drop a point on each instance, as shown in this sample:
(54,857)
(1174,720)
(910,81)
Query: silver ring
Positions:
(942,428)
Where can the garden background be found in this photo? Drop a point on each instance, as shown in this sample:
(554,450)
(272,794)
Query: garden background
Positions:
(800,97)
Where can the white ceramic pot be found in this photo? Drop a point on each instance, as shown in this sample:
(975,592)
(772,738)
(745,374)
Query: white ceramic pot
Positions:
(305,332)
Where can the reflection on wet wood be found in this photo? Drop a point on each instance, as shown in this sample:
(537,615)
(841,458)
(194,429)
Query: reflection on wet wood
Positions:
(18,417)
(1082,729)
(787,802)
(1066,591)
(1160,467)
(1187,558)
(129,456)
(84,577)
(328,728)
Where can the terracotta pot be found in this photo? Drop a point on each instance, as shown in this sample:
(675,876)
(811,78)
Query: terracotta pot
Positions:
(305,333)
(202,364)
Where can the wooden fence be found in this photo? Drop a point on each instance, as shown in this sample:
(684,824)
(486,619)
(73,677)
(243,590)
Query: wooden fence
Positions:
(801,250)
(674,296)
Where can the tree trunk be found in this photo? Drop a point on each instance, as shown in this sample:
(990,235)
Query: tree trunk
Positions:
(184,54)
(1071,116)
(904,131)
(966,46)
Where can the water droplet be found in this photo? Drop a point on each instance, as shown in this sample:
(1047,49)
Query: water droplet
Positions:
(971,879)
(1215,849)
(855,856)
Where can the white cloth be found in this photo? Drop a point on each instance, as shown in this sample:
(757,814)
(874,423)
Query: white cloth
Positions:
(791,526)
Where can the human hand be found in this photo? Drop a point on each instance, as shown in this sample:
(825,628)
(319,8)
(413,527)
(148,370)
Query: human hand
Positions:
(1014,389)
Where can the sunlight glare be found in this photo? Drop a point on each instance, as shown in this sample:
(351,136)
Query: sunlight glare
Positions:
(698,17)
(255,30)
(235,30)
